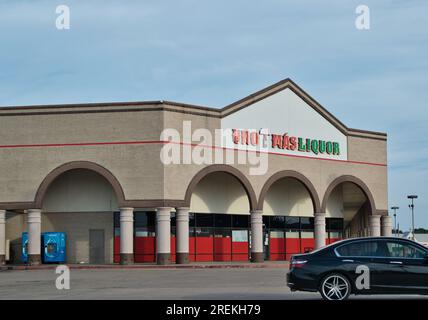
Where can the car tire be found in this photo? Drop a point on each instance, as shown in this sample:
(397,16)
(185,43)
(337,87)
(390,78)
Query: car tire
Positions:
(335,286)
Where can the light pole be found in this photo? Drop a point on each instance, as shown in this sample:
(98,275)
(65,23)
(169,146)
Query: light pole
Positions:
(412,207)
(395,219)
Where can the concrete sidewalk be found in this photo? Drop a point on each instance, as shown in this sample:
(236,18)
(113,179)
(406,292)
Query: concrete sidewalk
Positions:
(205,265)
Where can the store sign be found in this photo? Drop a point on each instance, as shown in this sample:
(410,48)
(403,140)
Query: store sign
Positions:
(284,142)
(284,124)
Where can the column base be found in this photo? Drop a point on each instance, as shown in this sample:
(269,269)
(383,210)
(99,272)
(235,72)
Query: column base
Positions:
(126,258)
(2,259)
(182,258)
(162,258)
(34,259)
(257,257)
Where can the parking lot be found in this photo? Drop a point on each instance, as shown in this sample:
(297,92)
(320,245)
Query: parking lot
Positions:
(189,284)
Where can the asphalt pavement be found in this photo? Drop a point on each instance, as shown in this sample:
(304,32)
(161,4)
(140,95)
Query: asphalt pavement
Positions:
(187,284)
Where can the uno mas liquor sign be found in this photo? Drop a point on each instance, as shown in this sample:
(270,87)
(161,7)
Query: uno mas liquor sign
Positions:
(284,123)
(262,140)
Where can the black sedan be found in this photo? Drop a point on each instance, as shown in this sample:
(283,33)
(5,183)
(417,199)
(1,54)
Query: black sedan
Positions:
(376,265)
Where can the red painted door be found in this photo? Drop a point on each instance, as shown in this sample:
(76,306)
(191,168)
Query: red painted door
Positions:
(145,247)
(240,245)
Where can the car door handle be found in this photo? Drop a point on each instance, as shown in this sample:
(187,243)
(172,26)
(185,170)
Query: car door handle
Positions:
(348,260)
(396,262)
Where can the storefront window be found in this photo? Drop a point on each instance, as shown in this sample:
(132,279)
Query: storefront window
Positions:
(222,220)
(191,220)
(266,222)
(204,220)
(292,223)
(277,222)
(239,235)
(335,224)
(306,223)
(240,221)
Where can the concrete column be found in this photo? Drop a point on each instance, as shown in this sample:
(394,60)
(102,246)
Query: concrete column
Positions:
(163,235)
(2,237)
(256,236)
(386,226)
(182,235)
(374,221)
(34,235)
(320,233)
(126,235)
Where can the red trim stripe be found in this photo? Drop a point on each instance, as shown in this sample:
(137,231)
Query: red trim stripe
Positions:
(80,144)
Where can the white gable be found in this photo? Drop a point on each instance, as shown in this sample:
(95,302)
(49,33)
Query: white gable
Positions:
(286,113)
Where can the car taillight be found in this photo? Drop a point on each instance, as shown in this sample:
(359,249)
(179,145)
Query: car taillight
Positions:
(298,263)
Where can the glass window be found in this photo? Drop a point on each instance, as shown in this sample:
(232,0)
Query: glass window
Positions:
(363,249)
(172,219)
(335,224)
(307,223)
(203,232)
(266,221)
(239,235)
(191,219)
(277,234)
(405,250)
(292,223)
(277,222)
(145,219)
(204,220)
(116,219)
(240,221)
(222,220)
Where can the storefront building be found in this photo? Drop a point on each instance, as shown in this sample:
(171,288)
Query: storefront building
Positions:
(97,172)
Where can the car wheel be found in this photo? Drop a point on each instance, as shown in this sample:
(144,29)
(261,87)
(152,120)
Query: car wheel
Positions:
(335,287)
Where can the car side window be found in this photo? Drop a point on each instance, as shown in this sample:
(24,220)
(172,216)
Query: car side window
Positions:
(362,249)
(405,250)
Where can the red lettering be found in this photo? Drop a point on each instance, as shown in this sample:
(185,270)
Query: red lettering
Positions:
(245,137)
(293,143)
(277,141)
(235,136)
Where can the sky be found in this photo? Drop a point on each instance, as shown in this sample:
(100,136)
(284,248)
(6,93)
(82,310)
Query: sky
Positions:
(215,52)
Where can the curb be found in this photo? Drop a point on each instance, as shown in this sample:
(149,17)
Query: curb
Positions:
(136,266)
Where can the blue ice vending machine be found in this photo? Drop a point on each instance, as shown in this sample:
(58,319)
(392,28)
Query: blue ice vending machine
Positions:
(24,249)
(53,246)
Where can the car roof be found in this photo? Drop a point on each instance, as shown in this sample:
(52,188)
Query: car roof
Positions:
(375,238)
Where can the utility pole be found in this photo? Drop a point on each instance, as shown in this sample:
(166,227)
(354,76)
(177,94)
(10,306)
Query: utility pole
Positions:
(412,207)
(395,219)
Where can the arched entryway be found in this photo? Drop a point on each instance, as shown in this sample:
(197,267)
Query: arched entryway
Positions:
(79,199)
(349,199)
(220,199)
(289,202)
